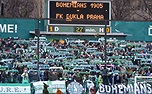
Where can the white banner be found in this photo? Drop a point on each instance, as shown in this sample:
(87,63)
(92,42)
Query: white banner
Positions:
(53,85)
(15,90)
(141,88)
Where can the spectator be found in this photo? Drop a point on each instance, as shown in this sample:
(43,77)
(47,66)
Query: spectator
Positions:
(105,75)
(100,80)
(53,76)
(0,76)
(11,78)
(45,90)
(46,75)
(25,77)
(32,88)
(58,91)
(42,75)
(33,76)
(150,74)
(77,77)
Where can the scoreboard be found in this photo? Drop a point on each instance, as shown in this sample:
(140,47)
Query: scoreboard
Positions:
(80,13)
(78,29)
(79,16)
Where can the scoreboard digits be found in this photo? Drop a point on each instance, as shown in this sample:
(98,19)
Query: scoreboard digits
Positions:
(96,5)
(51,29)
(79,29)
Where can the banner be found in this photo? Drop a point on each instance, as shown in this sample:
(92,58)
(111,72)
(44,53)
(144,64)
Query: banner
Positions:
(141,88)
(15,89)
(52,86)
(132,29)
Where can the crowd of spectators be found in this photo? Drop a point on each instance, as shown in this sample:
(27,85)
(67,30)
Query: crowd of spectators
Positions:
(19,60)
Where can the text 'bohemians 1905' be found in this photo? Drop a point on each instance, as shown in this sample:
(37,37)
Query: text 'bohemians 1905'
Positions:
(78,5)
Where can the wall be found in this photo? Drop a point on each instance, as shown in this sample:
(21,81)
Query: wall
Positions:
(135,30)
(17,27)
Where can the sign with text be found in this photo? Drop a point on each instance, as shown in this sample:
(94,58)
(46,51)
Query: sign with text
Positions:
(17,27)
(79,12)
(141,88)
(15,89)
(78,29)
(8,28)
(53,85)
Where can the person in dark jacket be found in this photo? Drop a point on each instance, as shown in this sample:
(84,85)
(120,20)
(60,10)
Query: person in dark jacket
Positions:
(105,75)
(45,86)
(32,88)
(46,75)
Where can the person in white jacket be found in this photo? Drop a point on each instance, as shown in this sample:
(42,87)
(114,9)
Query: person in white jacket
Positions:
(24,76)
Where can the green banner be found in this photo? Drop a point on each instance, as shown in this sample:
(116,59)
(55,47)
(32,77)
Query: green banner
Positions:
(136,31)
(18,27)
